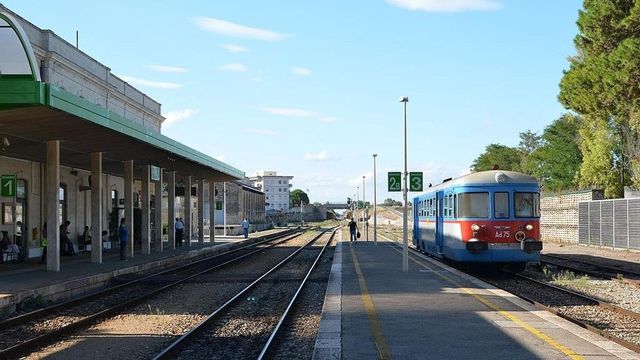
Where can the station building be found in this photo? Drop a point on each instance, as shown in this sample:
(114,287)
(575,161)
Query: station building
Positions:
(78,143)
(276,188)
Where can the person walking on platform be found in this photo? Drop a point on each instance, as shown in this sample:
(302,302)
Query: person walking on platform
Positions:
(353,230)
(123,235)
(179,231)
(44,243)
(245,228)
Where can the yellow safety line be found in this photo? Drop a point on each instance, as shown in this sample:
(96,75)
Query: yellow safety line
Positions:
(374,323)
(539,334)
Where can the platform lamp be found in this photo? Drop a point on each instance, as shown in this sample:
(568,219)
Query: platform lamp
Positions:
(364,214)
(375,220)
(405,247)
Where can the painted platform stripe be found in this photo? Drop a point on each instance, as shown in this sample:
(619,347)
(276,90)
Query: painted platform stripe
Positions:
(376,330)
(539,334)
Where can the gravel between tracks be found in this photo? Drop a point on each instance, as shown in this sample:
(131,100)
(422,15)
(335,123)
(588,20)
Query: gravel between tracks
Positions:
(242,331)
(136,324)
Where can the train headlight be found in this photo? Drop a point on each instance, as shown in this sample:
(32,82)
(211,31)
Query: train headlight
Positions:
(475,227)
(528,227)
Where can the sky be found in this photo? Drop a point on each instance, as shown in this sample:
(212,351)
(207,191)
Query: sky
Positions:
(311,89)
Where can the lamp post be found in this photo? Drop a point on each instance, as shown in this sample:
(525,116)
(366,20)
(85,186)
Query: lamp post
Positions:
(405,247)
(375,220)
(364,214)
(355,212)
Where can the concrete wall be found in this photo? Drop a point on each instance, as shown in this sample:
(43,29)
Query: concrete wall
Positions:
(559,214)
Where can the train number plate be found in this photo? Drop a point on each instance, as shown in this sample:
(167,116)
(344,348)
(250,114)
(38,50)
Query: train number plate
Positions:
(502,234)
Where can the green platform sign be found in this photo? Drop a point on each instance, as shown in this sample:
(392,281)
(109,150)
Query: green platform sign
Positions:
(415,181)
(8,184)
(394,181)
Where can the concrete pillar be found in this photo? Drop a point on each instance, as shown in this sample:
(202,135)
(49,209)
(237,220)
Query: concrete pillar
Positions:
(158,214)
(171,226)
(128,203)
(146,211)
(53,201)
(187,210)
(96,207)
(201,211)
(212,211)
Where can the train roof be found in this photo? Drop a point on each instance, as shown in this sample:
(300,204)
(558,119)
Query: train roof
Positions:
(491,177)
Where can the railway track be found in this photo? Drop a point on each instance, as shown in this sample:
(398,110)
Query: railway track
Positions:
(250,328)
(608,320)
(591,268)
(26,332)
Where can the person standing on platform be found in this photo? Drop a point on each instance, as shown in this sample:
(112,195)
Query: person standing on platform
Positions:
(245,228)
(44,243)
(179,231)
(353,230)
(123,235)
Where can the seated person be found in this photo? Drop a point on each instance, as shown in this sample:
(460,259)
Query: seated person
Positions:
(87,235)
(7,246)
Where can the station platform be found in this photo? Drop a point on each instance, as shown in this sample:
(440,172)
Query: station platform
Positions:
(29,281)
(375,310)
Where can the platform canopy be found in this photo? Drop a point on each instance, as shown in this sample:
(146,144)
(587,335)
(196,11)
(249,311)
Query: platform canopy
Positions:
(33,112)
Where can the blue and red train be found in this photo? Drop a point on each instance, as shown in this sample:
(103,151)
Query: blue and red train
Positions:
(490,217)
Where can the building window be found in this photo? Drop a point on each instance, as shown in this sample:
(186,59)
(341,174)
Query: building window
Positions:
(62,205)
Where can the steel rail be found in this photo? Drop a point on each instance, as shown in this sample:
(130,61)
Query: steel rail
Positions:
(598,270)
(30,344)
(181,342)
(46,311)
(604,305)
(598,303)
(267,347)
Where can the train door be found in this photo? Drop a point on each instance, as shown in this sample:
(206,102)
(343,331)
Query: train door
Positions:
(439,222)
(416,222)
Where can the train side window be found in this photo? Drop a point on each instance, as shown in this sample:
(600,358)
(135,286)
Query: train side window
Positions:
(455,205)
(445,205)
(474,205)
(450,205)
(501,205)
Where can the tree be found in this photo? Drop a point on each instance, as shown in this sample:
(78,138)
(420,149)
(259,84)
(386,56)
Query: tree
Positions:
(296,196)
(602,86)
(529,142)
(505,157)
(556,162)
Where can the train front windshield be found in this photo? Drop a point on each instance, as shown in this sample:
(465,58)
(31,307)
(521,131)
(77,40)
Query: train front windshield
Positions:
(527,204)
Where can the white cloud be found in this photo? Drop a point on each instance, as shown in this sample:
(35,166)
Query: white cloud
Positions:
(446,5)
(265,132)
(234,49)
(301,71)
(291,112)
(219,157)
(232,29)
(320,156)
(233,67)
(168,69)
(173,117)
(148,83)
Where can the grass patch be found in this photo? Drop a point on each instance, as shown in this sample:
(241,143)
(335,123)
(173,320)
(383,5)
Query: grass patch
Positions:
(157,311)
(570,279)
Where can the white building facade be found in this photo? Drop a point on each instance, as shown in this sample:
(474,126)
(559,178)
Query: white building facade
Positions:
(276,188)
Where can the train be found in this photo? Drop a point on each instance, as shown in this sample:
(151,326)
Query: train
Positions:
(488,217)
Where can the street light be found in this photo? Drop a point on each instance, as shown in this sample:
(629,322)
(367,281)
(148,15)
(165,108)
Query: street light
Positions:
(357,203)
(364,215)
(375,220)
(405,247)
